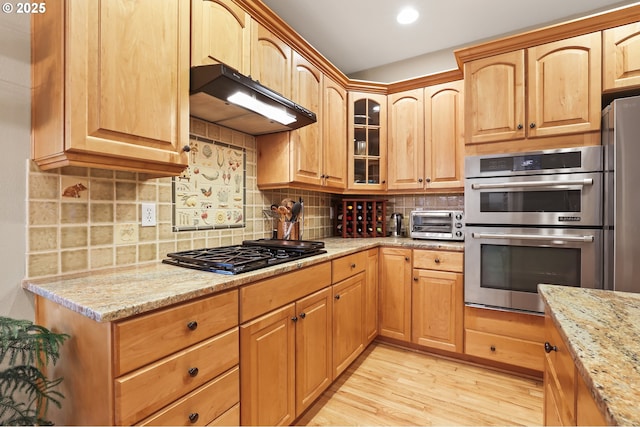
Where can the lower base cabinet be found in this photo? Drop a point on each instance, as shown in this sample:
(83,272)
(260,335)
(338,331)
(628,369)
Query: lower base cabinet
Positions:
(395,293)
(286,360)
(348,326)
(567,400)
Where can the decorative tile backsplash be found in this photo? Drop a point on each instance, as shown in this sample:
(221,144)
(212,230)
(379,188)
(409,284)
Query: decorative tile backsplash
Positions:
(74,230)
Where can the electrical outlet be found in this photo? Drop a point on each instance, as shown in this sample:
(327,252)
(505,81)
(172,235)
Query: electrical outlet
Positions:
(148,214)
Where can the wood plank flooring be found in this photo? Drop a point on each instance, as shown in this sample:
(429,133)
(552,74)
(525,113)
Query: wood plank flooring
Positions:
(392,386)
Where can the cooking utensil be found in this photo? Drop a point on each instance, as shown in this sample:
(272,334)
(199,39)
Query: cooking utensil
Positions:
(295,211)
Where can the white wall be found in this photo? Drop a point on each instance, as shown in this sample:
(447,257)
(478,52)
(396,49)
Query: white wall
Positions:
(15,129)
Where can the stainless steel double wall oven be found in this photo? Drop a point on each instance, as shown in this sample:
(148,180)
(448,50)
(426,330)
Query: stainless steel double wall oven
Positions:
(532,218)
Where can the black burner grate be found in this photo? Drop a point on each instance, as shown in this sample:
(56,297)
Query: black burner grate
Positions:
(249,256)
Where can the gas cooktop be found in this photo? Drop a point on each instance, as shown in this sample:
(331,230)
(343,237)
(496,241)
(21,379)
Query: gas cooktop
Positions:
(251,255)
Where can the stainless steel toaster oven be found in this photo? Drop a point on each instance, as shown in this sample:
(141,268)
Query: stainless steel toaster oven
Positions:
(437,224)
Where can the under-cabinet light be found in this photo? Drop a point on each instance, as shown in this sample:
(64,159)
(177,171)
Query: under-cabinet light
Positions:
(253,104)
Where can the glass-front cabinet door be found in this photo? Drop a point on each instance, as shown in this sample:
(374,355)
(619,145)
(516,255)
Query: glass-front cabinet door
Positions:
(367,141)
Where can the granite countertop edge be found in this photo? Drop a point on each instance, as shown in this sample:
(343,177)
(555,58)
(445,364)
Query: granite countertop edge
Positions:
(602,340)
(116,293)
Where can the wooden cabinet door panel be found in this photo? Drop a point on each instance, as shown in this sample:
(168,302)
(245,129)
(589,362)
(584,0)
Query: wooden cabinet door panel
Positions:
(495,98)
(307,151)
(267,369)
(437,309)
(334,135)
(444,135)
(395,293)
(348,335)
(565,86)
(220,33)
(313,347)
(111,110)
(621,57)
(405,156)
(270,60)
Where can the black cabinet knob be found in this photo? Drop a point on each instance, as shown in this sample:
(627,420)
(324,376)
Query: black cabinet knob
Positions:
(428,179)
(532,125)
(193,417)
(415,279)
(437,260)
(294,318)
(492,348)
(193,325)
(186,148)
(303,315)
(419,179)
(407,258)
(193,372)
(548,348)
(337,296)
(520,126)
(353,265)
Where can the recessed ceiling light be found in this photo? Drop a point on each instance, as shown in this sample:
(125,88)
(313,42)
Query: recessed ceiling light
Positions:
(407,15)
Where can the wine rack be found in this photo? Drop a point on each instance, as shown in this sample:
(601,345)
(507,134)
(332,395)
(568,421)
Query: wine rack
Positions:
(358,218)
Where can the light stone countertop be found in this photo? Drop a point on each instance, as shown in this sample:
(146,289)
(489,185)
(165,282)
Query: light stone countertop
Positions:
(602,332)
(113,294)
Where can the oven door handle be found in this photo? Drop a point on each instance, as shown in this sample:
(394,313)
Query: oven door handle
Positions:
(556,183)
(583,239)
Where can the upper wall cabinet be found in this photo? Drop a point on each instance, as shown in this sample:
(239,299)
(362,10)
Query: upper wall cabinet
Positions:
(367,141)
(220,33)
(444,135)
(621,56)
(306,90)
(563,90)
(334,135)
(271,60)
(426,138)
(111,85)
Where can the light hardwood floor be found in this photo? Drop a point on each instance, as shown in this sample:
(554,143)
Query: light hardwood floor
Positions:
(392,386)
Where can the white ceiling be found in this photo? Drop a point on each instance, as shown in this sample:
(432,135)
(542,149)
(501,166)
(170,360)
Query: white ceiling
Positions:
(358,35)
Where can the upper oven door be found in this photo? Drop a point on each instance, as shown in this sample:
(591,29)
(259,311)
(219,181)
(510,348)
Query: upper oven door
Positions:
(573,199)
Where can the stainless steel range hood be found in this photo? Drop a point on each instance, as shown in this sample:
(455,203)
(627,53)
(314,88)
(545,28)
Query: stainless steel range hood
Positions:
(221,95)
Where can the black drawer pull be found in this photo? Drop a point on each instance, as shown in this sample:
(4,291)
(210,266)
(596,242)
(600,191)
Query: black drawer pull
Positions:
(193,417)
(193,325)
(303,315)
(492,348)
(193,372)
(548,348)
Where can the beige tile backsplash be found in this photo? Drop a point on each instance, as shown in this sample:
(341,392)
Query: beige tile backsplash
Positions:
(78,234)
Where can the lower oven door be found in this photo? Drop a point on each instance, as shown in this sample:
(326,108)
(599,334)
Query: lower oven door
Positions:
(503,266)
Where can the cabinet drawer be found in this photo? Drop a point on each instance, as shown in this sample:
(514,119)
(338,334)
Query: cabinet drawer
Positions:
(202,406)
(348,266)
(266,295)
(229,418)
(142,392)
(438,260)
(147,338)
(529,327)
(513,351)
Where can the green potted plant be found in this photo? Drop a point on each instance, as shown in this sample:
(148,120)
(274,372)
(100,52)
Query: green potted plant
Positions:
(25,391)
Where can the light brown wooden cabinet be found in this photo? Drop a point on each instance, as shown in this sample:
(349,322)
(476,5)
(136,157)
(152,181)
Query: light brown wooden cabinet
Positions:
(405,155)
(270,60)
(437,301)
(94,103)
(220,34)
(334,133)
(348,321)
(395,293)
(426,138)
(621,57)
(150,369)
(561,95)
(567,400)
(367,142)
(286,360)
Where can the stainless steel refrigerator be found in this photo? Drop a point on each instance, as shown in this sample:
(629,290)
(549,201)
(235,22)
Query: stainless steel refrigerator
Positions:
(621,142)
